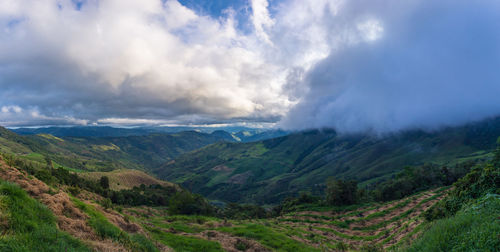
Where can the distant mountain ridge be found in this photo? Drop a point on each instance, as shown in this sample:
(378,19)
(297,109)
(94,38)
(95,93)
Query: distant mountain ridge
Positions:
(242,134)
(107,153)
(267,171)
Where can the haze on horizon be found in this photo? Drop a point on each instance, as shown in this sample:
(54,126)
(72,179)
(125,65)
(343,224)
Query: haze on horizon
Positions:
(354,65)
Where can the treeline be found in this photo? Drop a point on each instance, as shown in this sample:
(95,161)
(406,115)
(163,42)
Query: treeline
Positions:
(343,193)
(483,179)
(178,200)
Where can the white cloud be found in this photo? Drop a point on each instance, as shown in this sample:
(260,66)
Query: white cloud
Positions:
(155,62)
(261,19)
(371,29)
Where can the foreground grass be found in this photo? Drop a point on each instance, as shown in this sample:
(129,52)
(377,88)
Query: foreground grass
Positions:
(474,228)
(105,229)
(28,225)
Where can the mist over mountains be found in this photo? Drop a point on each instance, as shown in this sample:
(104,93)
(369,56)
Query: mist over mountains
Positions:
(434,65)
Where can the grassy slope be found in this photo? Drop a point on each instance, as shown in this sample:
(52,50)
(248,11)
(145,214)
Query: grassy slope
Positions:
(270,170)
(126,179)
(474,228)
(27,225)
(105,154)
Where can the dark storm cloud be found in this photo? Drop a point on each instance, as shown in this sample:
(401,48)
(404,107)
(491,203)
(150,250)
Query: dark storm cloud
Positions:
(437,65)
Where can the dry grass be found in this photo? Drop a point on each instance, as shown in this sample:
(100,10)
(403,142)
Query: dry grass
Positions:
(69,217)
(126,179)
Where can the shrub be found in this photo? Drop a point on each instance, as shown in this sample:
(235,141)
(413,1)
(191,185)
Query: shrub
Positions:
(341,192)
(241,245)
(474,228)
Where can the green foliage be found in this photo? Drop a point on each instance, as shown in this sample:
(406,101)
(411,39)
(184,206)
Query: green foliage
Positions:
(152,195)
(236,211)
(341,192)
(340,246)
(268,237)
(104,182)
(241,245)
(187,203)
(106,203)
(28,225)
(99,222)
(105,229)
(293,203)
(474,228)
(480,181)
(371,247)
(414,179)
(284,166)
(184,243)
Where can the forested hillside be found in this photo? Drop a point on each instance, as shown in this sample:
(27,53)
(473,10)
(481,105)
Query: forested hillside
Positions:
(270,170)
(47,206)
(107,153)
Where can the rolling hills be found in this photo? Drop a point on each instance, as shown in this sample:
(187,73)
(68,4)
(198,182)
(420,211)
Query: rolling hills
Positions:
(47,203)
(106,153)
(266,172)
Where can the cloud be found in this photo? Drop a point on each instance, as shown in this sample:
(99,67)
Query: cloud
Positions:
(433,64)
(261,19)
(354,65)
(132,59)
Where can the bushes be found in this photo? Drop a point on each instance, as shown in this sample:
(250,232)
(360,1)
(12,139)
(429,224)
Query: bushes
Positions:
(414,179)
(153,195)
(236,211)
(191,204)
(474,228)
(341,192)
(480,181)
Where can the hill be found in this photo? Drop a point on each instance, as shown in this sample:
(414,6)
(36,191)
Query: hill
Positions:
(125,179)
(43,207)
(265,172)
(106,153)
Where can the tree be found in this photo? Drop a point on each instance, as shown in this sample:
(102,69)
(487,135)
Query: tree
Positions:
(341,192)
(496,159)
(48,161)
(104,182)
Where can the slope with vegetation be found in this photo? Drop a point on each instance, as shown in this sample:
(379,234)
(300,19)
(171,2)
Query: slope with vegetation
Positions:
(449,205)
(106,153)
(266,172)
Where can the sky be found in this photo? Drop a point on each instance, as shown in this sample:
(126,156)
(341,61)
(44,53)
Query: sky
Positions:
(352,65)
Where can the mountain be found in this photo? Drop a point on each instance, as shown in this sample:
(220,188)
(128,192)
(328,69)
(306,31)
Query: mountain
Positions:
(242,134)
(46,207)
(85,131)
(258,135)
(107,153)
(267,171)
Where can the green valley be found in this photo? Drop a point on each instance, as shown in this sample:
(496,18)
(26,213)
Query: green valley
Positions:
(266,172)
